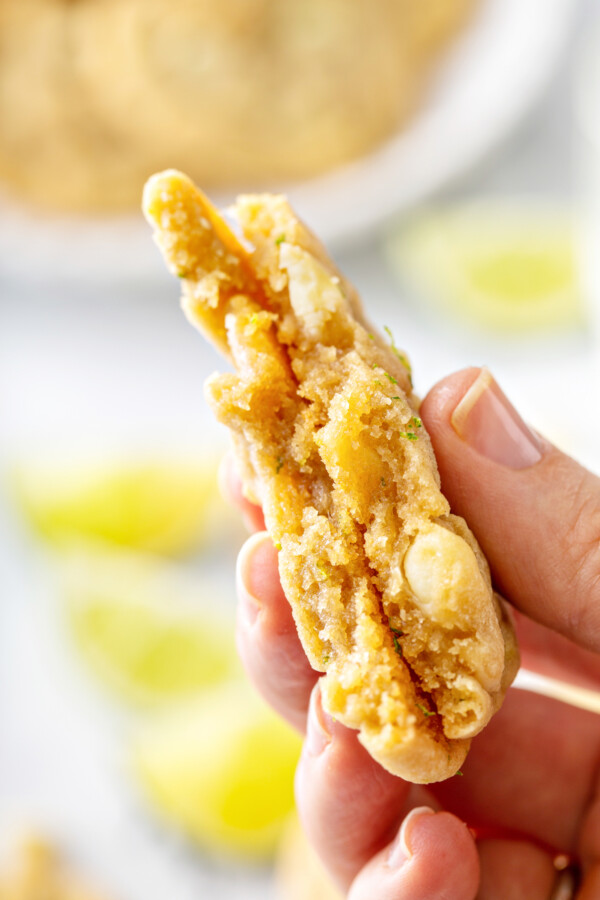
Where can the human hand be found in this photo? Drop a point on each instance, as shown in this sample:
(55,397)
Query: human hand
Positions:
(531,783)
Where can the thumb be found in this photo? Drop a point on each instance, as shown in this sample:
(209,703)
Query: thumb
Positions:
(434,856)
(534,510)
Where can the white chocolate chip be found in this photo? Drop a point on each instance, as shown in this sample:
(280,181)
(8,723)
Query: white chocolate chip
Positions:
(449,588)
(441,569)
(313,295)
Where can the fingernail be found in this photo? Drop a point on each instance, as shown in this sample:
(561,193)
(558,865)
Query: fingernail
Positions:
(401,850)
(249,603)
(318,725)
(487,422)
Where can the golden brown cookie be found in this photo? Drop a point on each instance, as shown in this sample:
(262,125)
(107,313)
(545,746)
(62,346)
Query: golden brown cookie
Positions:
(390,592)
(97,94)
(39,873)
(55,147)
(248,89)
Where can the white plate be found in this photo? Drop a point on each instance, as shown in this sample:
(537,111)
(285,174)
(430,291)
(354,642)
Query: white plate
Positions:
(488,82)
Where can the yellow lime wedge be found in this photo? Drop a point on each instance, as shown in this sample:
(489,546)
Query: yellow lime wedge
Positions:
(159,507)
(507,267)
(221,770)
(145,631)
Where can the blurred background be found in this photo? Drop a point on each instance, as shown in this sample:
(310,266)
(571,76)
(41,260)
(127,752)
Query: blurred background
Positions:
(448,152)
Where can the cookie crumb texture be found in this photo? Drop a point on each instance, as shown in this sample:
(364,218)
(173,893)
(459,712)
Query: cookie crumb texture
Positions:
(390,591)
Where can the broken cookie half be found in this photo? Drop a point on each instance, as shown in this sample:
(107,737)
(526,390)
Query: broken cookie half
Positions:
(390,592)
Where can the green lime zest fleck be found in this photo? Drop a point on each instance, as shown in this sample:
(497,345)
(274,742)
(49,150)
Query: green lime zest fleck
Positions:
(279,465)
(404,360)
(181,273)
(325,658)
(460,773)
(416,422)
(396,398)
(409,435)
(324,569)
(387,374)
(280,240)
(396,633)
(399,355)
(426,712)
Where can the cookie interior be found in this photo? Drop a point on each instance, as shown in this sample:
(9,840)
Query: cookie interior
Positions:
(390,592)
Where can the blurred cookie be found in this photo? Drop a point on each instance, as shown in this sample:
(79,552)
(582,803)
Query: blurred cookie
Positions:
(434,22)
(252,90)
(95,95)
(391,594)
(39,873)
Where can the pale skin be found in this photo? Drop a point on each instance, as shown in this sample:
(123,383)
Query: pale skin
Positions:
(531,783)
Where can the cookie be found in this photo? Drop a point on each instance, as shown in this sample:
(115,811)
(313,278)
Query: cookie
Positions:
(390,592)
(95,95)
(38,871)
(55,147)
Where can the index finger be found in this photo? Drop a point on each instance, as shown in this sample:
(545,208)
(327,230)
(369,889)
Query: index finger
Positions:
(232,490)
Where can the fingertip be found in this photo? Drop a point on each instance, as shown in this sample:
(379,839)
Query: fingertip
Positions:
(266,635)
(469,413)
(433,855)
(232,490)
(443,398)
(439,835)
(320,726)
(257,572)
(348,804)
(402,847)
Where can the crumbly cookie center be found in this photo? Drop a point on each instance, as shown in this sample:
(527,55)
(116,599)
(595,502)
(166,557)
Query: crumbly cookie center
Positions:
(339,428)
(390,593)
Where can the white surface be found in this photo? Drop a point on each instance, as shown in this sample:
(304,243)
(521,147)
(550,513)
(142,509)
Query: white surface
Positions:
(63,757)
(587,144)
(119,372)
(490,79)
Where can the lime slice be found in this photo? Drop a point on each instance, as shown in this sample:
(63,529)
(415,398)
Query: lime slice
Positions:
(509,268)
(144,630)
(221,770)
(159,507)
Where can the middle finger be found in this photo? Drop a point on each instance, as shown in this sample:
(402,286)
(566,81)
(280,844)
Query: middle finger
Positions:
(267,639)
